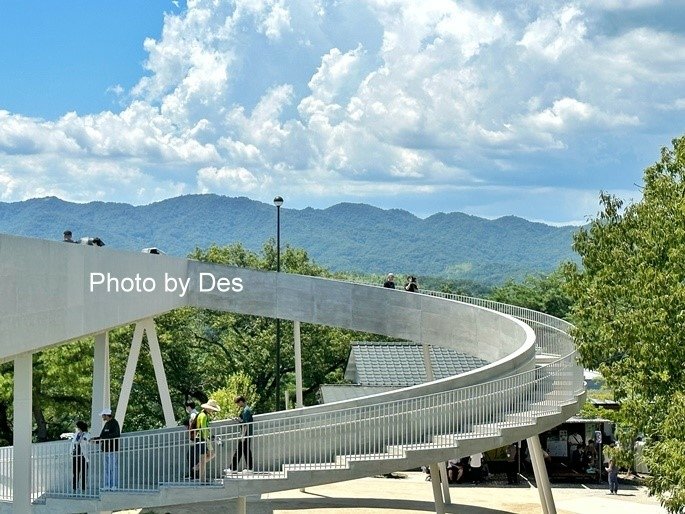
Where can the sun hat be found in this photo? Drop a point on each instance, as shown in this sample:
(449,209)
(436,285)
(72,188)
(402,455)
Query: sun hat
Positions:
(211,405)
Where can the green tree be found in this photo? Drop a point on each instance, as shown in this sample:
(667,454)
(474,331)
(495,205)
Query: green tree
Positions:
(629,311)
(204,352)
(238,384)
(248,342)
(542,293)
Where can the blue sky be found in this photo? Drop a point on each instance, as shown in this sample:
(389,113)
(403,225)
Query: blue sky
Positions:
(487,107)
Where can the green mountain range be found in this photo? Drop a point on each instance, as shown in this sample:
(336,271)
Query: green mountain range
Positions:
(344,237)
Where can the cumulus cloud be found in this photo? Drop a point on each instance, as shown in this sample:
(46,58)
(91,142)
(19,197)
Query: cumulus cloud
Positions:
(551,37)
(226,180)
(315,98)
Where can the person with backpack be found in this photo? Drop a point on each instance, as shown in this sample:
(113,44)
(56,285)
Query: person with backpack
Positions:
(191,425)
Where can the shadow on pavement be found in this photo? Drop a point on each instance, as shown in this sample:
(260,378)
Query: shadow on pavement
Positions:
(341,505)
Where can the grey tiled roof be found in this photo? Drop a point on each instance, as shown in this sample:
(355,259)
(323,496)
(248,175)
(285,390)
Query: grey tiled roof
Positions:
(447,362)
(400,364)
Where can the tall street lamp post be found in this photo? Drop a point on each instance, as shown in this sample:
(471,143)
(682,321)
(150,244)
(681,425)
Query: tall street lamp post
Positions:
(278,201)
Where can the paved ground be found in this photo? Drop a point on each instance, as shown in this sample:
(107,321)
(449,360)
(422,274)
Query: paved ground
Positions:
(412,495)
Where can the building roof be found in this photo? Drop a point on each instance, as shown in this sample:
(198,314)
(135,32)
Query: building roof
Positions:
(400,364)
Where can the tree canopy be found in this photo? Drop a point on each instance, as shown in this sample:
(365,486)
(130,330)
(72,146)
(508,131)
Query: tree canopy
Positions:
(542,293)
(629,313)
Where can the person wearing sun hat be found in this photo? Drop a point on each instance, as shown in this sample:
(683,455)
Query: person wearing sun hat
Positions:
(389,281)
(203,440)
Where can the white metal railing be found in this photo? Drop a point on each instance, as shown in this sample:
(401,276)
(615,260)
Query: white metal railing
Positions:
(6,461)
(331,439)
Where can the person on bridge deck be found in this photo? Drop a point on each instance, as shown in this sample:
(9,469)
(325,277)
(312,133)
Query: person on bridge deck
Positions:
(66,237)
(79,454)
(412,286)
(191,425)
(389,281)
(203,438)
(244,450)
(109,445)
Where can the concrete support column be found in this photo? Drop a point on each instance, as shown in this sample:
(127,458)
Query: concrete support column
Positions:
(160,374)
(445,483)
(299,402)
(23,430)
(437,492)
(127,383)
(241,505)
(537,459)
(146,326)
(101,390)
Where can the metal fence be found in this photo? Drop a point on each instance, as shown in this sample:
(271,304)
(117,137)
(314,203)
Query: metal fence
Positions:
(322,440)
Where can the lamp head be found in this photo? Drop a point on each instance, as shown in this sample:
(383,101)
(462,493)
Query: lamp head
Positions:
(278,201)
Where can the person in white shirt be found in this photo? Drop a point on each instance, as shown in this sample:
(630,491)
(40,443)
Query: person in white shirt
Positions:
(79,455)
(476,462)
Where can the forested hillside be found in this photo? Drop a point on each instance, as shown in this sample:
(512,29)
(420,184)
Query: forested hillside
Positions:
(344,237)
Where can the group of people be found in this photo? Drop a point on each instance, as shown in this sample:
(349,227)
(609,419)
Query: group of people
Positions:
(584,457)
(67,237)
(201,451)
(467,469)
(410,285)
(109,445)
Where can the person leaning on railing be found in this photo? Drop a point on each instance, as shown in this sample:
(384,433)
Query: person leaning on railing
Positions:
(109,445)
(203,438)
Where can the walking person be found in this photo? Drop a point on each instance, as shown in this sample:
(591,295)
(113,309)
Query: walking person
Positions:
(612,475)
(244,445)
(109,445)
(203,438)
(191,425)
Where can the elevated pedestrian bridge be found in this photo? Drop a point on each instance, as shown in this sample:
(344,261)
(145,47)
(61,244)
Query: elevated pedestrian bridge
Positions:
(54,293)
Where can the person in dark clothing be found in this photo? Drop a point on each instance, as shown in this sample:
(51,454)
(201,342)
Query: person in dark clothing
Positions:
(79,461)
(191,425)
(109,445)
(67,237)
(411,285)
(92,241)
(244,450)
(512,464)
(389,281)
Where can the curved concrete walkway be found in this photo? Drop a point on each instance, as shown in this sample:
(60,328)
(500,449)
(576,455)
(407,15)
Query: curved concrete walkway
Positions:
(412,495)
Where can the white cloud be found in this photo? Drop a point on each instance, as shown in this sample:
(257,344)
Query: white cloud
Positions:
(436,95)
(277,21)
(226,180)
(568,112)
(553,36)
(336,71)
(620,5)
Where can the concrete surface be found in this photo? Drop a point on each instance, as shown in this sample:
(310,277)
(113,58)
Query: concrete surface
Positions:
(414,494)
